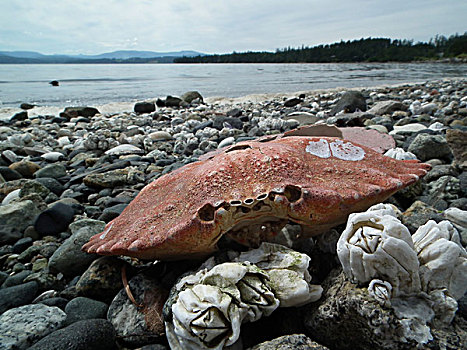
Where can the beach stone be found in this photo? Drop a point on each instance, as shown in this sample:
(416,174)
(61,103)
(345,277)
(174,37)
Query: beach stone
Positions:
(303,118)
(25,167)
(3,277)
(9,174)
(114,178)
(55,301)
(137,326)
(81,308)
(102,280)
(171,101)
(18,295)
(23,326)
(20,116)
(34,187)
(408,128)
(69,259)
(54,220)
(418,214)
(226,142)
(427,147)
(16,279)
(289,342)
(14,218)
(54,171)
(124,149)
(292,102)
(350,102)
(160,136)
(144,107)
(52,184)
(457,141)
(190,96)
(234,113)
(26,106)
(22,244)
(53,156)
(218,122)
(387,107)
(112,212)
(87,112)
(94,334)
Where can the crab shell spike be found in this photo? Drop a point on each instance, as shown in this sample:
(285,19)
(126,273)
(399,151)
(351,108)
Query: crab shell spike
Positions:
(250,191)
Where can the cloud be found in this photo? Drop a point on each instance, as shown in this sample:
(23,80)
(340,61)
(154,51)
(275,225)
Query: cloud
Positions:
(88,26)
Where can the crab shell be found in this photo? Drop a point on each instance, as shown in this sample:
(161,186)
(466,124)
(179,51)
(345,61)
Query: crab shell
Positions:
(249,191)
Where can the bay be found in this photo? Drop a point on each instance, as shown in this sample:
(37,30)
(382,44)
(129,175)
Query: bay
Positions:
(99,84)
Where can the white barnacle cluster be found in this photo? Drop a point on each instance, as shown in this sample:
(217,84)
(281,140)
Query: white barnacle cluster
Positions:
(376,247)
(211,305)
(338,149)
(399,154)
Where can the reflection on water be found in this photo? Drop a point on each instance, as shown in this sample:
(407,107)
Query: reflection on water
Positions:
(97,84)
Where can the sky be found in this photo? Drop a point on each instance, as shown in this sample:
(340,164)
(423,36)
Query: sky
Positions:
(217,26)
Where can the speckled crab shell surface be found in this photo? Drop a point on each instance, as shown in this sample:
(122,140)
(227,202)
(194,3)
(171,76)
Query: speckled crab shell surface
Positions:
(249,191)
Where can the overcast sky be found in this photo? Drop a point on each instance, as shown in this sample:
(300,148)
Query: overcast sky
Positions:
(217,26)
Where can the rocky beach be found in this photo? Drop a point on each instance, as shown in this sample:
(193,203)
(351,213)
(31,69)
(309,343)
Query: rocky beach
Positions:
(64,176)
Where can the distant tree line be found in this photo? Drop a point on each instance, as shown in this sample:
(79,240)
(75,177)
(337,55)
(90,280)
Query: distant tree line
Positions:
(363,50)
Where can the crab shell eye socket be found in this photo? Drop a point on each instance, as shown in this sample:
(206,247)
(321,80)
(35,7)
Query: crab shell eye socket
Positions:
(206,212)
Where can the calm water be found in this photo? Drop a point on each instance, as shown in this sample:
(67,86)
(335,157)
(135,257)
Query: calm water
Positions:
(96,84)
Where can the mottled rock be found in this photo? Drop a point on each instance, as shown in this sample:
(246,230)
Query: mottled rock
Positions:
(114,178)
(136,326)
(14,218)
(94,334)
(102,280)
(17,295)
(289,342)
(81,308)
(34,187)
(427,147)
(68,258)
(52,184)
(22,326)
(457,141)
(220,122)
(418,214)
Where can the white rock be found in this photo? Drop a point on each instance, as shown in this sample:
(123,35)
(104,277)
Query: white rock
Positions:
(53,156)
(377,246)
(124,149)
(226,142)
(11,196)
(415,127)
(63,141)
(443,260)
(457,217)
(160,136)
(428,108)
(399,154)
(436,126)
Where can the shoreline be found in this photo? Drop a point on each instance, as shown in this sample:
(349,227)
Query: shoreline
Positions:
(116,107)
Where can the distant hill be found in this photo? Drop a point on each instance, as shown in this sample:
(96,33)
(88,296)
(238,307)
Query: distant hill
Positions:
(123,56)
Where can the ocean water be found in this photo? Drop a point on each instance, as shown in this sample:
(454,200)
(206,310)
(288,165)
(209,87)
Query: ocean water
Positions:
(101,84)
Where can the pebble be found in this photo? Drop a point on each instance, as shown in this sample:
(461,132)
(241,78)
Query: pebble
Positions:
(427,147)
(22,326)
(81,308)
(18,295)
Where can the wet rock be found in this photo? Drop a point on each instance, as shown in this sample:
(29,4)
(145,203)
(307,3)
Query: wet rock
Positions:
(102,280)
(289,342)
(81,308)
(71,112)
(144,107)
(94,334)
(350,102)
(190,96)
(171,101)
(19,117)
(68,258)
(292,102)
(14,218)
(54,171)
(418,214)
(112,212)
(54,220)
(16,279)
(136,326)
(26,106)
(17,295)
(427,147)
(22,326)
